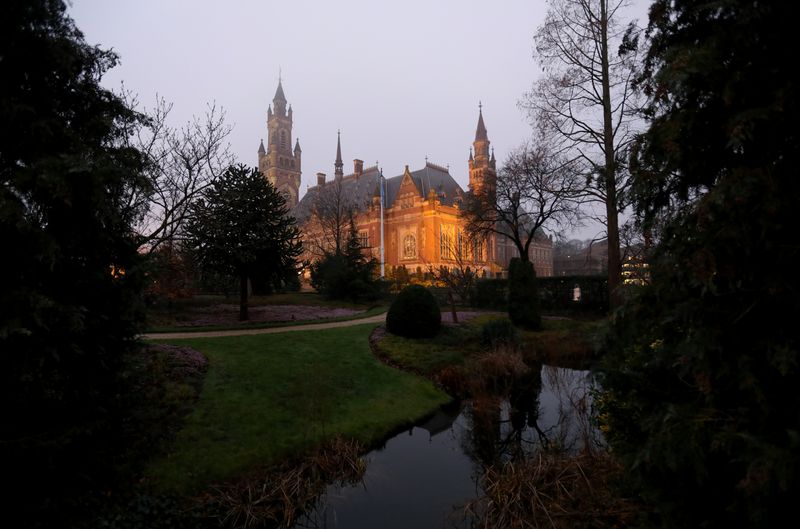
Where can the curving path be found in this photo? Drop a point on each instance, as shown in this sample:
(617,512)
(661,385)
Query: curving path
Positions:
(378,318)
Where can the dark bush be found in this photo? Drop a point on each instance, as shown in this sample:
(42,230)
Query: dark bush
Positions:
(490,294)
(414,314)
(499,332)
(523,296)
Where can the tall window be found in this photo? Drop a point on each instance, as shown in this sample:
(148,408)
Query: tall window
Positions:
(446,245)
(283,139)
(409,247)
(363,239)
(477,249)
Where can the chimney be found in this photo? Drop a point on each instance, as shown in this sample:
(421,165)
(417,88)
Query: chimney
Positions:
(320,179)
(358,167)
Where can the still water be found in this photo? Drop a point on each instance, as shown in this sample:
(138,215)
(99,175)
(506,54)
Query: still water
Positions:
(422,478)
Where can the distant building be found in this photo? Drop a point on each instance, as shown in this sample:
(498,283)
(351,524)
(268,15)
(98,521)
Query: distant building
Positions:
(422,226)
(588,261)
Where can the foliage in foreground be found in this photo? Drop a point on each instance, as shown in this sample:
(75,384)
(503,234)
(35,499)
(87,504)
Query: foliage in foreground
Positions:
(702,376)
(552,490)
(69,291)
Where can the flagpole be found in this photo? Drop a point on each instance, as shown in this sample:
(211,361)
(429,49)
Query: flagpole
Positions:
(382,254)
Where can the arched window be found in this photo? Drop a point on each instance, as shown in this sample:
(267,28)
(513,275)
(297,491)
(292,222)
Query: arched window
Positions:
(409,247)
(283,139)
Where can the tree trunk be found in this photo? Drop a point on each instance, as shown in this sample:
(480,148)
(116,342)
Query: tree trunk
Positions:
(612,221)
(243,297)
(453,306)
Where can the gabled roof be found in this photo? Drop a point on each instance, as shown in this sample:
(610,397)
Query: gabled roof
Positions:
(360,190)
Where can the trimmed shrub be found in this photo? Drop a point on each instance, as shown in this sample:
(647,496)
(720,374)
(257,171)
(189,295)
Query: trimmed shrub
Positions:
(414,314)
(523,296)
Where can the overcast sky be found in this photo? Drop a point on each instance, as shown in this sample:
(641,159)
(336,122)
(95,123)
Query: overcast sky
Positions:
(401,80)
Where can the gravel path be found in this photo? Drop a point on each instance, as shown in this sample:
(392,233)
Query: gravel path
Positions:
(378,318)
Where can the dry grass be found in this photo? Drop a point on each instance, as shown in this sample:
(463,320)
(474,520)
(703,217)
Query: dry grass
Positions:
(280,497)
(552,490)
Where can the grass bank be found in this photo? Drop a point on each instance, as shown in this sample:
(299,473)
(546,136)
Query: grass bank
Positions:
(272,396)
(561,342)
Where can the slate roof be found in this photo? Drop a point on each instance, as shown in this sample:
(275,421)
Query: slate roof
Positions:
(360,191)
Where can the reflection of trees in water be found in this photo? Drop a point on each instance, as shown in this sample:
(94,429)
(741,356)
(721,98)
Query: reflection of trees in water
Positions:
(507,427)
(500,425)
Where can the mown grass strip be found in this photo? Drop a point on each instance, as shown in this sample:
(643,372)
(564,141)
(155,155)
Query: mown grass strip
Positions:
(272,396)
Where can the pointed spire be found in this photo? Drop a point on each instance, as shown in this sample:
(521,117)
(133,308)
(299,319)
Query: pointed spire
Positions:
(493,155)
(480,132)
(339,165)
(297,145)
(470,154)
(261,147)
(279,94)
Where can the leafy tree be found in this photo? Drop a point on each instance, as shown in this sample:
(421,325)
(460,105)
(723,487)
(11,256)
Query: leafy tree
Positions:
(586,96)
(70,289)
(241,227)
(347,274)
(702,375)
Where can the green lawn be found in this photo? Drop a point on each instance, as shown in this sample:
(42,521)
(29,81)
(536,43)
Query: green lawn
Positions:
(267,397)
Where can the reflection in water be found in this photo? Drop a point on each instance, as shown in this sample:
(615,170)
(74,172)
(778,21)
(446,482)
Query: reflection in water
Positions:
(421,478)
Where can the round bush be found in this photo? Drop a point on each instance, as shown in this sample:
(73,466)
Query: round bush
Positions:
(414,314)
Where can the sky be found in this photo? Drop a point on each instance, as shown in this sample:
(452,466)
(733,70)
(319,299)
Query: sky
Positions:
(401,80)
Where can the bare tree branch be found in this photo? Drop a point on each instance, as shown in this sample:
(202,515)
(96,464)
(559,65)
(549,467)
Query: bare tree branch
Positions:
(538,189)
(586,97)
(182,162)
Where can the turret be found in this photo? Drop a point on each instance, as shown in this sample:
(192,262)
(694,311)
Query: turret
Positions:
(338,164)
(482,173)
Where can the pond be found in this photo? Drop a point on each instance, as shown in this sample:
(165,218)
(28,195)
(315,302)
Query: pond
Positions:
(423,477)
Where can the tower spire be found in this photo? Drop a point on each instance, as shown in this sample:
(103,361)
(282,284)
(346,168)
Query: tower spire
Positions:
(339,165)
(480,132)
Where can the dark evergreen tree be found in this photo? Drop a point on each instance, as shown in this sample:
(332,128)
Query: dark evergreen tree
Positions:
(69,293)
(347,274)
(702,402)
(242,227)
(523,295)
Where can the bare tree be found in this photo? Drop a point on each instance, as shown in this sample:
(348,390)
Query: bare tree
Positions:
(586,95)
(460,278)
(332,212)
(181,163)
(536,189)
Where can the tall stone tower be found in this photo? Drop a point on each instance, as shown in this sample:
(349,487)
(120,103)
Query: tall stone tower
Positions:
(278,163)
(482,170)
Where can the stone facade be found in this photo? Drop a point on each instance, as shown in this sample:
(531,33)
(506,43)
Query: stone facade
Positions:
(279,163)
(422,225)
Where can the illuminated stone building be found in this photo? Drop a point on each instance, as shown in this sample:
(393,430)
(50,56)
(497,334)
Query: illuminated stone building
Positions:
(420,217)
